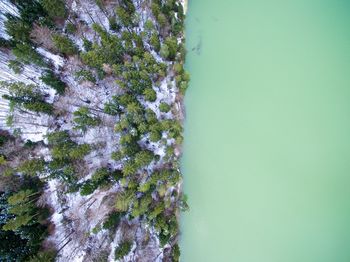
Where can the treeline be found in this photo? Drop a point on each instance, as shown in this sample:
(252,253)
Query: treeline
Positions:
(23,217)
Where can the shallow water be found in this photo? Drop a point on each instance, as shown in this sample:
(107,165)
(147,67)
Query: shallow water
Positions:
(267,135)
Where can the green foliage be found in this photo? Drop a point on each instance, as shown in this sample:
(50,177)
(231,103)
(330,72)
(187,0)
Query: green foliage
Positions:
(87,188)
(143,158)
(85,75)
(183,203)
(164,107)
(164,51)
(112,108)
(50,79)
(110,51)
(26,96)
(155,9)
(18,29)
(54,8)
(129,168)
(136,72)
(27,55)
(87,44)
(83,119)
(162,20)
(39,106)
(123,249)
(5,43)
(124,200)
(142,205)
(57,138)
(22,228)
(126,12)
(113,24)
(64,44)
(96,229)
(150,94)
(169,16)
(16,66)
(169,48)
(64,151)
(117,156)
(32,167)
(155,132)
(79,151)
(113,220)
(182,77)
(30,11)
(155,43)
(167,227)
(101,177)
(151,116)
(149,26)
(169,152)
(71,28)
(44,256)
(2,160)
(3,139)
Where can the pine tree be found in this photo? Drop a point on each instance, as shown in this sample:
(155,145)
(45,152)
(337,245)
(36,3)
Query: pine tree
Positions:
(26,96)
(50,79)
(64,44)
(27,55)
(83,119)
(32,167)
(122,250)
(54,8)
(150,94)
(164,107)
(17,29)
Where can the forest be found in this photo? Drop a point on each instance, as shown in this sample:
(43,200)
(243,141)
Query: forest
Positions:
(91,129)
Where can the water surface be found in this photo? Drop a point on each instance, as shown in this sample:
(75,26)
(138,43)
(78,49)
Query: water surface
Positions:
(267,140)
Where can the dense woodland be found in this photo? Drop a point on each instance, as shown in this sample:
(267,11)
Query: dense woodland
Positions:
(92,116)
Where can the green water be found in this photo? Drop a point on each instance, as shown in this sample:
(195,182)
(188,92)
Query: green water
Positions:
(267,135)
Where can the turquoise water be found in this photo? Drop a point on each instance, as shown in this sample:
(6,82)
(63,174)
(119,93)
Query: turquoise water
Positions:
(267,134)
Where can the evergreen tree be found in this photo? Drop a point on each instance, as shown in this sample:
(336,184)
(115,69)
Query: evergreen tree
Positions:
(122,250)
(150,94)
(27,55)
(155,43)
(15,66)
(83,119)
(64,44)
(110,51)
(17,29)
(85,75)
(54,8)
(44,256)
(32,167)
(164,107)
(50,79)
(126,12)
(26,96)
(143,158)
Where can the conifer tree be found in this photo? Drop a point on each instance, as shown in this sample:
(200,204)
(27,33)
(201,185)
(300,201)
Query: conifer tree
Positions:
(83,119)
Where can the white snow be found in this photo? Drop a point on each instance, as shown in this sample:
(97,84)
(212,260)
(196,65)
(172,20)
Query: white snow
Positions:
(6,7)
(57,60)
(74,218)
